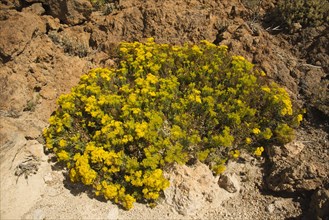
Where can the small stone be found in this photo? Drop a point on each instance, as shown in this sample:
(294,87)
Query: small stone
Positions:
(48,178)
(296,27)
(229,182)
(294,148)
(270,208)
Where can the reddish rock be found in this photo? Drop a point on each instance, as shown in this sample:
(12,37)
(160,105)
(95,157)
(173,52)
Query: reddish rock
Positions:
(70,12)
(36,9)
(17,32)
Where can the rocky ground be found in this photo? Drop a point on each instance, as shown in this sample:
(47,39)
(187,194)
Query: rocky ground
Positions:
(46,45)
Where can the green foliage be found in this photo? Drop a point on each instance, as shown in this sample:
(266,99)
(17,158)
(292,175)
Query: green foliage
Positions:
(119,128)
(307,13)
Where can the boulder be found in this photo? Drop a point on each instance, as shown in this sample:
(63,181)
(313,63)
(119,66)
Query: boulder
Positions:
(71,12)
(193,188)
(229,182)
(16,31)
(36,8)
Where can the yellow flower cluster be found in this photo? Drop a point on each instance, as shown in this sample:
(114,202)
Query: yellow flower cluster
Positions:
(255,131)
(235,154)
(119,128)
(115,192)
(82,170)
(63,155)
(279,98)
(258,152)
(154,182)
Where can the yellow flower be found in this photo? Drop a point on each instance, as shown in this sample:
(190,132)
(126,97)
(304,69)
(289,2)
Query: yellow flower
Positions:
(63,155)
(248,140)
(59,128)
(62,143)
(73,175)
(235,154)
(110,191)
(140,129)
(267,134)
(150,40)
(219,169)
(151,78)
(196,48)
(223,47)
(148,55)
(255,131)
(258,152)
(153,94)
(68,105)
(266,89)
(238,58)
(128,202)
(123,50)
(198,99)
(299,117)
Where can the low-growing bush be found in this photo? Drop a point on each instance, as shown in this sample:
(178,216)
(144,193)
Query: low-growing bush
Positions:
(304,12)
(120,128)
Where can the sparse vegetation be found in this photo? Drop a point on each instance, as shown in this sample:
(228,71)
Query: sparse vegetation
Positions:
(106,6)
(306,13)
(73,47)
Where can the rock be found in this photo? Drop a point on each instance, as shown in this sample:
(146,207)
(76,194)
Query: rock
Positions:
(70,12)
(289,176)
(229,182)
(315,87)
(48,178)
(36,150)
(8,141)
(14,92)
(11,4)
(282,205)
(36,8)
(38,214)
(293,148)
(17,31)
(159,19)
(192,189)
(298,166)
(319,207)
(37,76)
(113,213)
(296,27)
(270,208)
(32,64)
(52,23)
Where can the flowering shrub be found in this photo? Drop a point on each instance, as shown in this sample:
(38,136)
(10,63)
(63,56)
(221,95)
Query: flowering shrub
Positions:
(119,128)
